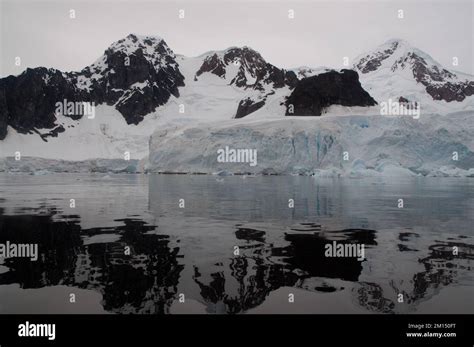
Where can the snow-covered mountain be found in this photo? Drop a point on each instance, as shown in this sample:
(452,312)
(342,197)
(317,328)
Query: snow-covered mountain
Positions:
(245,68)
(397,70)
(135,75)
(139,85)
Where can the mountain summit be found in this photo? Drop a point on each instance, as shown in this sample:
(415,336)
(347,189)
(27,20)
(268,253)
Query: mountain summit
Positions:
(246,68)
(397,69)
(135,75)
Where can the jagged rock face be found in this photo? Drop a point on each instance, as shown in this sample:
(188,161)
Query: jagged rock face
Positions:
(314,94)
(279,77)
(372,62)
(253,71)
(248,106)
(451,91)
(213,65)
(136,74)
(421,71)
(437,80)
(399,57)
(28,100)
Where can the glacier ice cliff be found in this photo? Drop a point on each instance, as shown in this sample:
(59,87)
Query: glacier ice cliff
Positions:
(325,146)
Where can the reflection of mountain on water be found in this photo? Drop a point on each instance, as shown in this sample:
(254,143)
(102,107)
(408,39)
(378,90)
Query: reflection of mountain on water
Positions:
(144,281)
(58,244)
(307,253)
(263,268)
(441,268)
(147,281)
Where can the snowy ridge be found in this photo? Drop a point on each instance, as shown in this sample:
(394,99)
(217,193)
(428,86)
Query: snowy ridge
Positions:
(396,69)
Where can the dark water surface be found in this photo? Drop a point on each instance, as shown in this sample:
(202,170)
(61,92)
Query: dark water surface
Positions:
(190,250)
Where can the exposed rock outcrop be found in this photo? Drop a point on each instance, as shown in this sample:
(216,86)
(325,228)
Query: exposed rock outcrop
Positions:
(248,106)
(252,70)
(314,94)
(136,74)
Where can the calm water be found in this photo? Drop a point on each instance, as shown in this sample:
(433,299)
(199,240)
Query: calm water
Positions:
(190,250)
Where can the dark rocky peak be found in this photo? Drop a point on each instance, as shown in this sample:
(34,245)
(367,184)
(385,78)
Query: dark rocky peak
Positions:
(154,48)
(133,59)
(212,64)
(313,95)
(245,68)
(151,48)
(131,51)
(27,101)
(135,74)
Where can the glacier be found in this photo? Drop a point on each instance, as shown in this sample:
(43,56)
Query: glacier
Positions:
(354,146)
(42,166)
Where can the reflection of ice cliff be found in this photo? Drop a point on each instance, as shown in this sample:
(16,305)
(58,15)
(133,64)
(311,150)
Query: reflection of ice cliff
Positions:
(375,145)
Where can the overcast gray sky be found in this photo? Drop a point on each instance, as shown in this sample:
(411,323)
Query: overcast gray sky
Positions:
(321,34)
